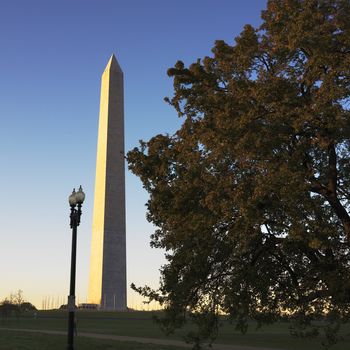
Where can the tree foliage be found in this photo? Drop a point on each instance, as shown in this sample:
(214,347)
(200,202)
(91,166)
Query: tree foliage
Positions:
(16,304)
(251,195)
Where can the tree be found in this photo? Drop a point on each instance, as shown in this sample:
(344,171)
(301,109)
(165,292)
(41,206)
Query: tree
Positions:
(12,304)
(17,298)
(251,195)
(6,308)
(15,303)
(26,306)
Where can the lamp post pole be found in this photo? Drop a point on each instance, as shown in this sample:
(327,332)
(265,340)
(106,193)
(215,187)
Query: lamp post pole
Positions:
(76,200)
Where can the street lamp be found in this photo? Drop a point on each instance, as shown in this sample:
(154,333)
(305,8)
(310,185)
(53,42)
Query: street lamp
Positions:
(76,200)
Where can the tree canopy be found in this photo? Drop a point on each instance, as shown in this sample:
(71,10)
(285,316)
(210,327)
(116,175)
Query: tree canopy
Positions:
(251,196)
(16,304)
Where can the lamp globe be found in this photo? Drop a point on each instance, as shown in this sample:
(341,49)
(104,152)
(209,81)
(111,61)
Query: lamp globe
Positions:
(73,198)
(80,196)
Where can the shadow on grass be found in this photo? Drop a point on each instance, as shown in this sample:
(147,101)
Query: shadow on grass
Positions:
(11,340)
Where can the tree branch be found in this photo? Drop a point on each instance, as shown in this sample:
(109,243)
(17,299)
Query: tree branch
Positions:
(332,169)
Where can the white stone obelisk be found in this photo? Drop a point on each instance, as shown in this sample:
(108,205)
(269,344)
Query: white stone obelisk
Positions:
(107,284)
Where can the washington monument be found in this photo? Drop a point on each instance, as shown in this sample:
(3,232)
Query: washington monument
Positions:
(107,284)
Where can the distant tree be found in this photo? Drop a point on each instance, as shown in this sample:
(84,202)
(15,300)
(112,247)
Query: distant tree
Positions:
(16,304)
(27,306)
(251,196)
(6,309)
(17,300)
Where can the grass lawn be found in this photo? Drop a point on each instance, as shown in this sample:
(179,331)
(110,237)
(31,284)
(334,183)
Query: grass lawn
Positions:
(277,336)
(10,340)
(140,324)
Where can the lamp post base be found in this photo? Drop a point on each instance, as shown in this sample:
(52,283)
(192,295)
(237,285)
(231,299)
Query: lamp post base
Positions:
(70,330)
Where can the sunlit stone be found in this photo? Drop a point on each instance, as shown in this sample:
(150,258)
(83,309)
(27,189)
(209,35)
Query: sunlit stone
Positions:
(107,284)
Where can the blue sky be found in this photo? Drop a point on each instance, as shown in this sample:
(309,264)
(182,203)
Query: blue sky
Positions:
(52,56)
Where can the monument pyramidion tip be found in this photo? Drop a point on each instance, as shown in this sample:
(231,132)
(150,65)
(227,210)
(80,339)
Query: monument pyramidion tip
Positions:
(113,64)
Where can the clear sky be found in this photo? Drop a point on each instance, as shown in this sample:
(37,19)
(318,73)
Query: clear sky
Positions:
(52,55)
